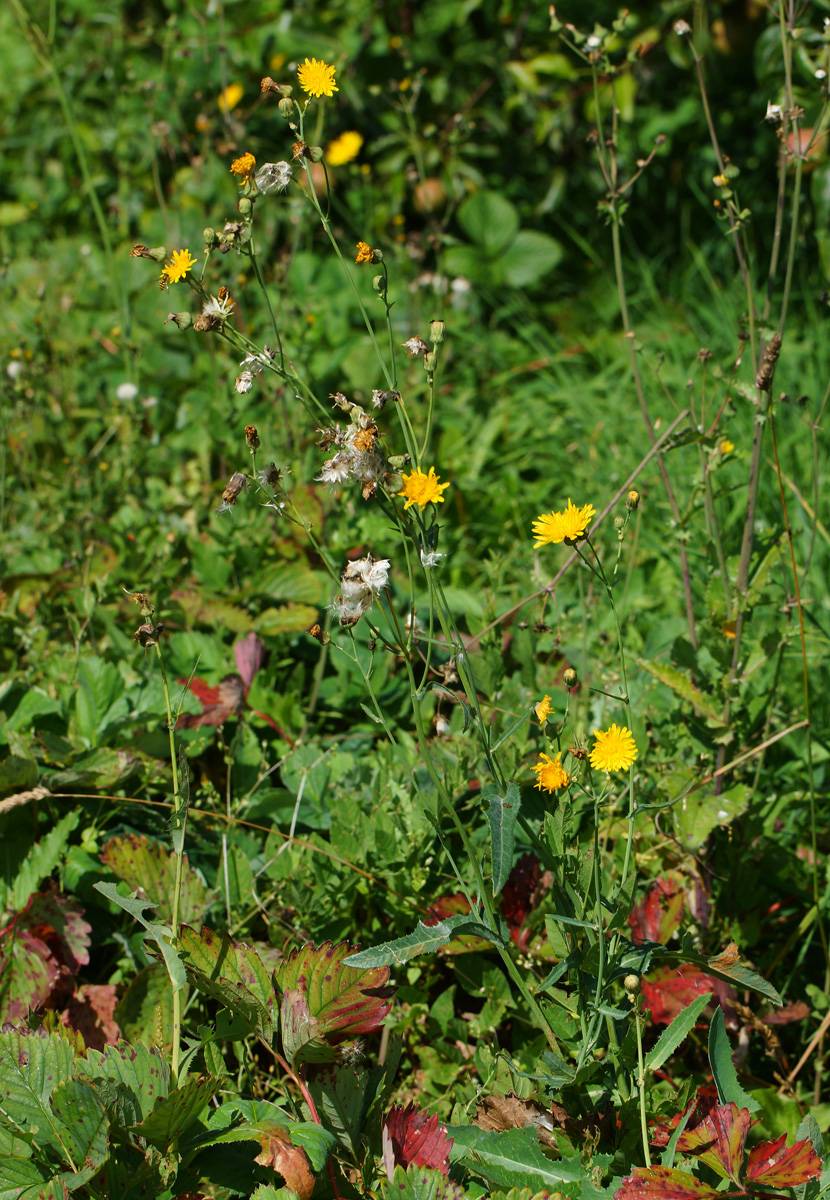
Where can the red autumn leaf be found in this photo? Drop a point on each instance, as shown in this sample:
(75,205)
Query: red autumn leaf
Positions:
(412,1136)
(219,703)
(446,906)
(719,1139)
(521,893)
(281,1155)
(658,915)
(249,654)
(92,1013)
(663,1183)
(668,990)
(796,1011)
(59,921)
(776,1165)
(705,1100)
(28,973)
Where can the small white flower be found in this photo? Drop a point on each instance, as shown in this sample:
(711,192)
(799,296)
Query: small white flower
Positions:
(430,558)
(441,725)
(594,42)
(244,382)
(273,177)
(681,28)
(218,308)
(336,470)
(773,112)
(126,392)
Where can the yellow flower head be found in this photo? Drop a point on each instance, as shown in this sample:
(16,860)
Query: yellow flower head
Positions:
(230,96)
(567,526)
(725,446)
(343,149)
(550,774)
(543,708)
(422,489)
(365,253)
(181,262)
(614,749)
(316,78)
(243,167)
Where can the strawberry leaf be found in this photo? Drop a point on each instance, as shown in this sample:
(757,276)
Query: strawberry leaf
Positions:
(780,1166)
(719,1139)
(233,974)
(412,1136)
(149,869)
(663,1183)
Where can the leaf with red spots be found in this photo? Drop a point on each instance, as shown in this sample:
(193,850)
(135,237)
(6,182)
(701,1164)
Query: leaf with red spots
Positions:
(658,914)
(28,973)
(233,974)
(776,1165)
(705,1100)
(173,1114)
(69,937)
(249,653)
(324,1001)
(149,869)
(663,1183)
(719,1139)
(412,1136)
(667,991)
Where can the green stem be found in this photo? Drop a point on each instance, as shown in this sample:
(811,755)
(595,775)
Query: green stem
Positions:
(177,892)
(641,1082)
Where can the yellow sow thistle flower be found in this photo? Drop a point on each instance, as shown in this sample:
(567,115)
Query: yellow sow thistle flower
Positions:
(543,709)
(365,253)
(550,774)
(344,148)
(567,526)
(422,489)
(243,167)
(182,261)
(230,97)
(614,749)
(316,78)
(725,446)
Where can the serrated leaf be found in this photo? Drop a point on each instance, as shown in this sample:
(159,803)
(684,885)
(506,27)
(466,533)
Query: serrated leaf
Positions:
(55,1189)
(28,972)
(703,704)
(514,1159)
(424,939)
(340,1097)
(676,1033)
(233,974)
(149,869)
(172,1115)
(663,1183)
(66,917)
(719,1139)
(41,860)
(414,1137)
(79,1109)
(740,976)
(32,1065)
(776,1165)
(723,1069)
(19,1173)
(421,1183)
(325,1000)
(266,1192)
(502,815)
(140,1071)
(160,934)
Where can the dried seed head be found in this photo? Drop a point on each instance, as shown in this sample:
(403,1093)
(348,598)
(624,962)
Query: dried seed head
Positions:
(415,347)
(205,322)
(320,635)
(252,438)
(236,484)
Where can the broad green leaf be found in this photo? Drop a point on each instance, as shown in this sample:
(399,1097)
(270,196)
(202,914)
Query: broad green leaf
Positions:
(17,774)
(32,1065)
(503,814)
(17,1174)
(233,974)
(160,934)
(677,1032)
(723,1069)
(324,998)
(696,815)
(490,221)
(340,1098)
(705,705)
(421,1183)
(42,859)
(425,939)
(530,257)
(149,869)
(318,1142)
(145,1011)
(79,1109)
(139,1076)
(514,1159)
(266,1192)
(57,1188)
(173,1114)
(35,703)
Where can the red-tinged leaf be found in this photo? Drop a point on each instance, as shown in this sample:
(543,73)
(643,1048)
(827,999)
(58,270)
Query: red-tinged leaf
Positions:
(412,1136)
(149,869)
(249,654)
(28,973)
(668,990)
(324,1001)
(776,1165)
(658,915)
(797,1011)
(280,1155)
(219,703)
(453,906)
(523,890)
(92,1013)
(59,921)
(663,1183)
(705,1100)
(719,1140)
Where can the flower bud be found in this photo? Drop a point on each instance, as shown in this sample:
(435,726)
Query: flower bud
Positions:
(632,501)
(320,635)
(210,238)
(436,332)
(246,206)
(379,284)
(315,153)
(619,522)
(286,108)
(430,361)
(157,253)
(631,983)
(252,438)
(570,678)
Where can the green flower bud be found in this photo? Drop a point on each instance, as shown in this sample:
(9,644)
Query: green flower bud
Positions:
(246,206)
(570,678)
(210,238)
(436,332)
(182,320)
(286,107)
(430,362)
(315,153)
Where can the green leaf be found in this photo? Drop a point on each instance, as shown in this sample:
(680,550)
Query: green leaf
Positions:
(17,774)
(149,869)
(79,1109)
(56,1189)
(32,1065)
(172,1115)
(514,1159)
(136,1075)
(739,975)
(530,257)
(503,814)
(42,859)
(234,975)
(703,704)
(318,1142)
(160,934)
(18,1173)
(490,221)
(677,1032)
(266,1192)
(340,1098)
(723,1069)
(421,1183)
(424,939)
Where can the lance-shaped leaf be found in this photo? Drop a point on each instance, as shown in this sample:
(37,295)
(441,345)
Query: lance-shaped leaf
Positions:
(719,1140)
(421,1183)
(160,934)
(325,1001)
(663,1183)
(425,939)
(776,1165)
(412,1137)
(502,814)
(173,1114)
(723,1068)
(233,974)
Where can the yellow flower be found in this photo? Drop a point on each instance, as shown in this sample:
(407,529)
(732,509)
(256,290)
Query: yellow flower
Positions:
(550,774)
(567,526)
(730,629)
(725,446)
(343,149)
(365,254)
(543,708)
(182,262)
(614,749)
(422,489)
(243,167)
(230,97)
(316,78)
(720,181)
